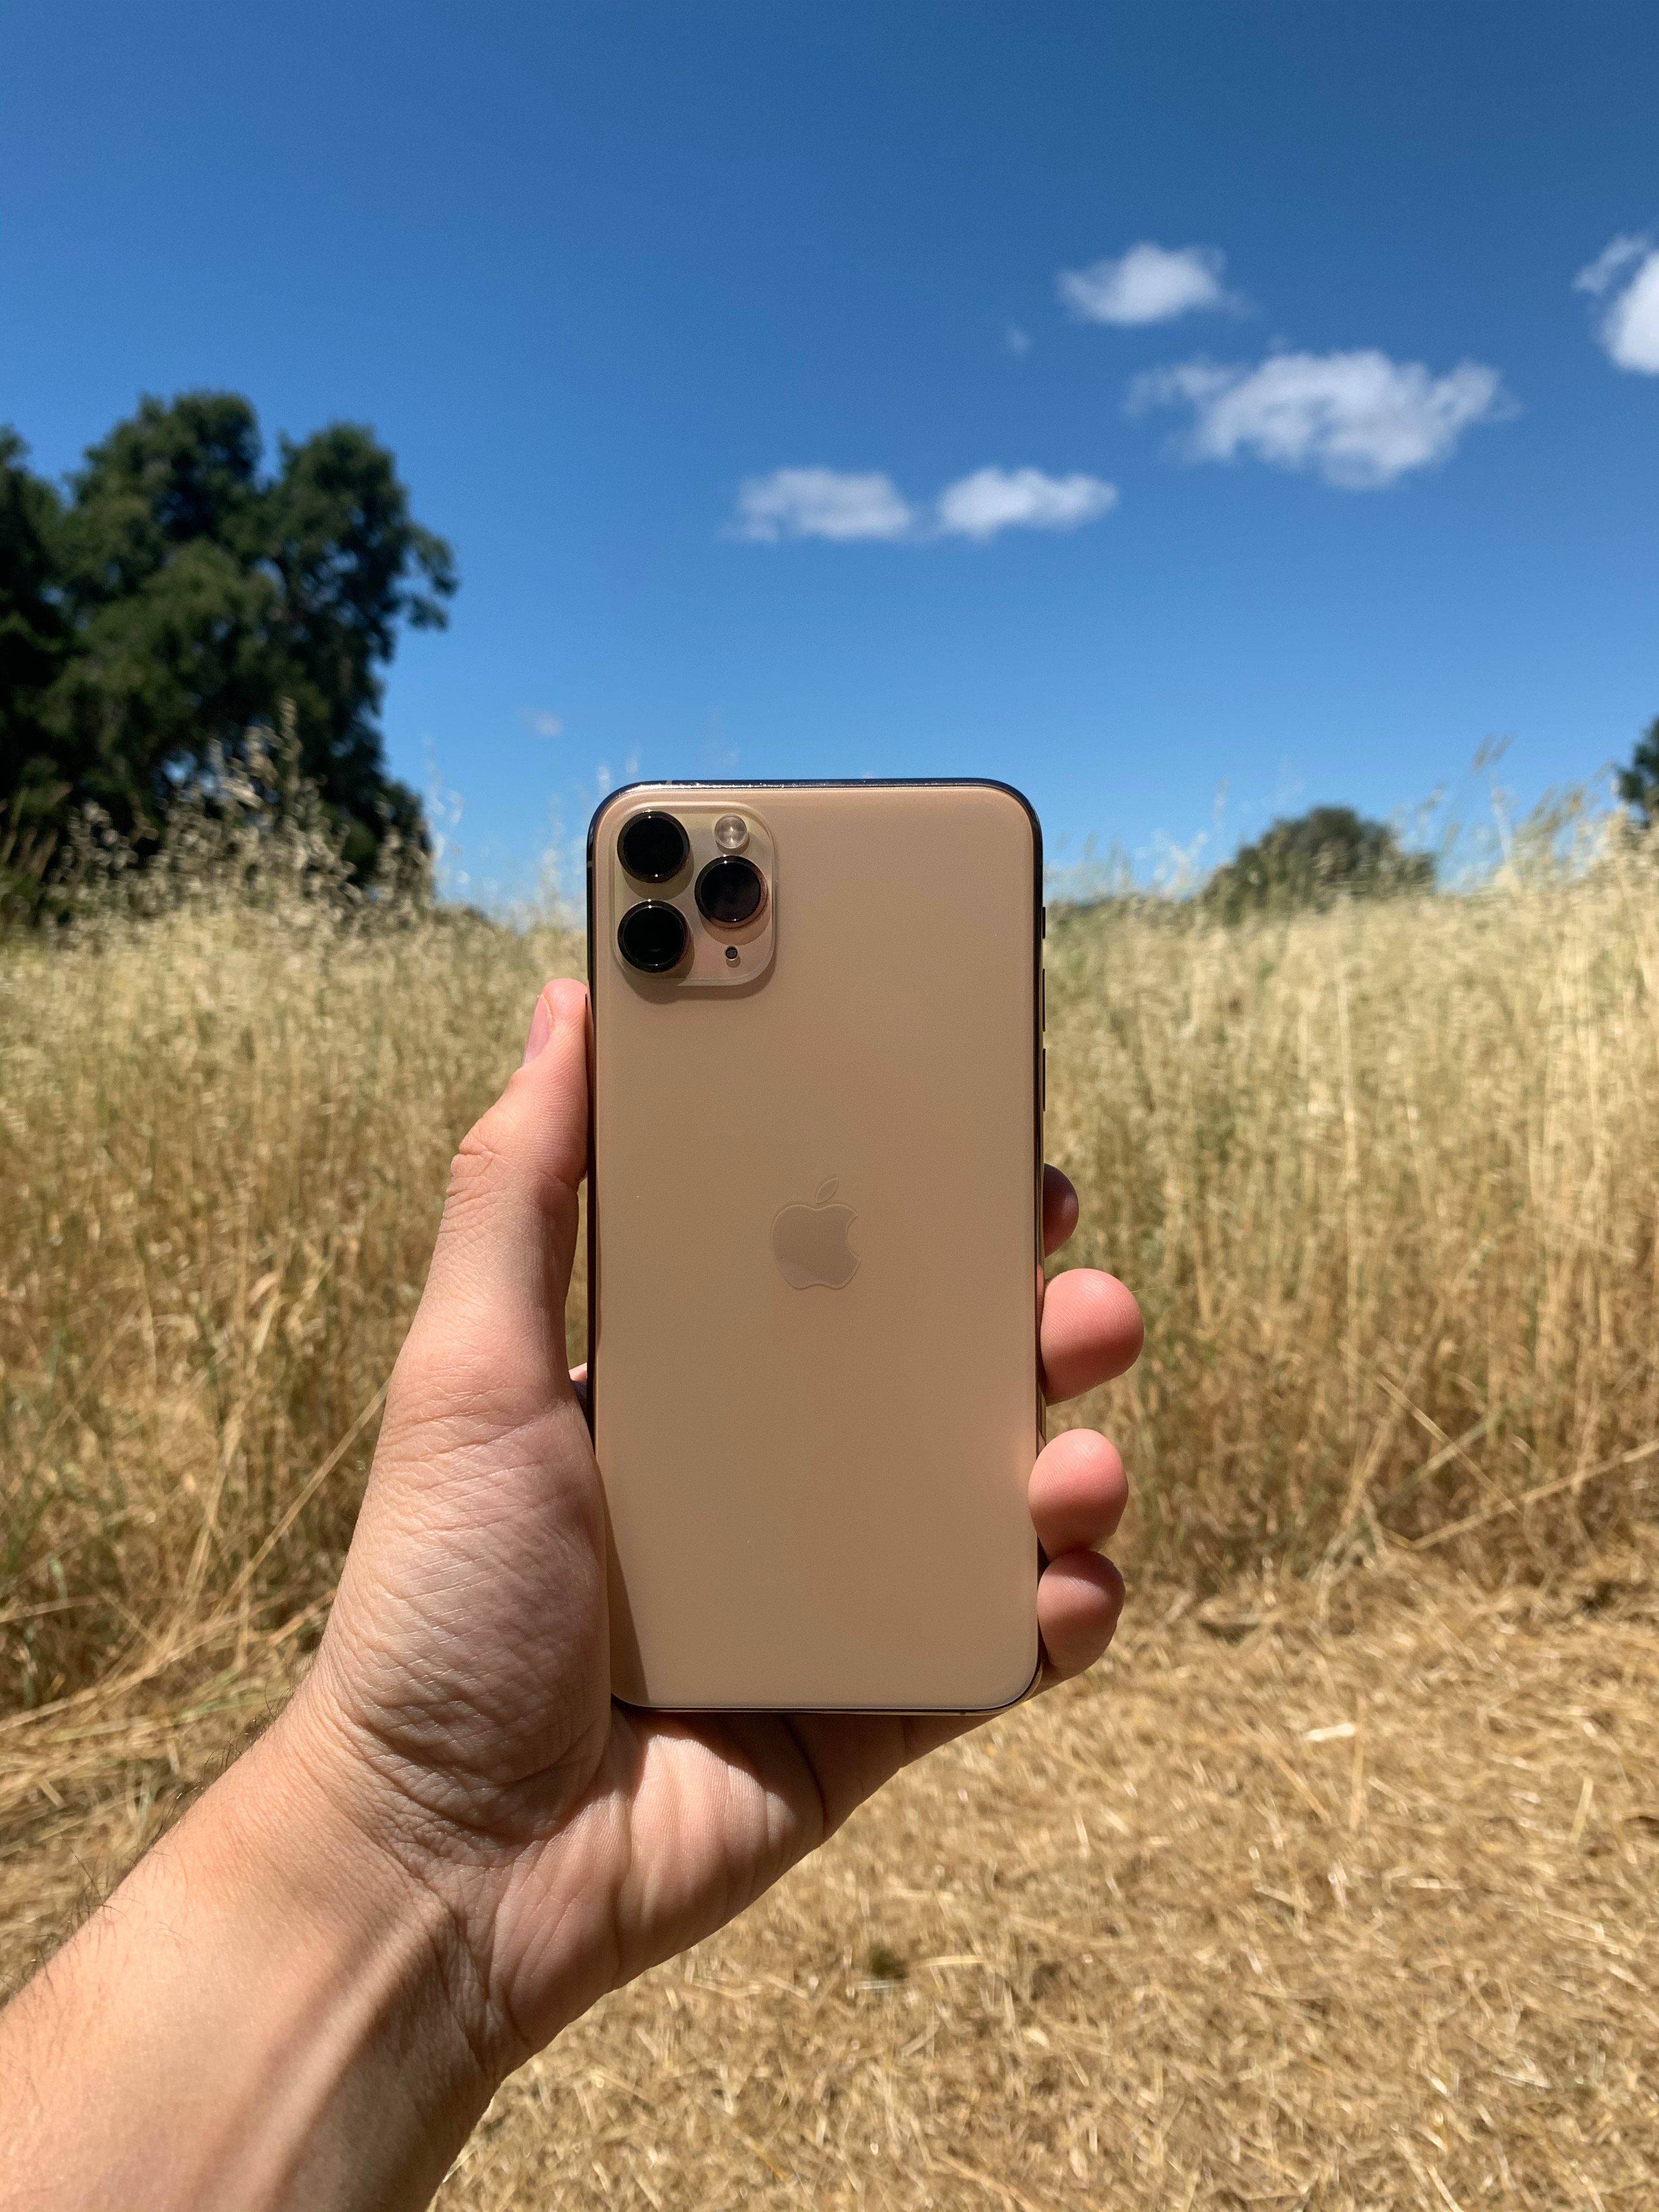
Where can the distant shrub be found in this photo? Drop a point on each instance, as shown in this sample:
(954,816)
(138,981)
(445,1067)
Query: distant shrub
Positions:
(1311,860)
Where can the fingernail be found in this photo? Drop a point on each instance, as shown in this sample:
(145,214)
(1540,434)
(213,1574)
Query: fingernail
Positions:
(541,1028)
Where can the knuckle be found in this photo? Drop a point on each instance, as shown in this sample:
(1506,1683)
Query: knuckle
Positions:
(468,1387)
(479,1166)
(493,1162)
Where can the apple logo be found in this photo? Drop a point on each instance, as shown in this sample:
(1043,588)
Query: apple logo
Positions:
(809,1245)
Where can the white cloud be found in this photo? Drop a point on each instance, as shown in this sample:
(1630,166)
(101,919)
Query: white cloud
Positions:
(1596,275)
(1359,420)
(1148,284)
(834,503)
(990,500)
(542,720)
(841,507)
(1630,328)
(1017,340)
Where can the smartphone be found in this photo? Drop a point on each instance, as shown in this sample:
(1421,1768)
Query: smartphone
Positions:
(815,1243)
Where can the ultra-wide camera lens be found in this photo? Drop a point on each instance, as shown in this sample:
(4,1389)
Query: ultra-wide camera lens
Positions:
(730,890)
(653,846)
(652,936)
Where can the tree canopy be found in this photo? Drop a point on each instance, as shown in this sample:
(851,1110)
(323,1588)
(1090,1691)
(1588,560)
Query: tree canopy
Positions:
(1638,784)
(175,594)
(1311,859)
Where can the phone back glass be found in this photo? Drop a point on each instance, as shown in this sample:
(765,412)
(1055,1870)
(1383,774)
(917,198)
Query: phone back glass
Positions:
(815,1207)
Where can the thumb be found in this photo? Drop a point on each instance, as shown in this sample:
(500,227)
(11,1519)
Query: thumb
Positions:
(501,1270)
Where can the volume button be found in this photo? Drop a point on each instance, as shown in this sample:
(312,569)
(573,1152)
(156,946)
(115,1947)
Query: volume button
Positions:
(1042,1002)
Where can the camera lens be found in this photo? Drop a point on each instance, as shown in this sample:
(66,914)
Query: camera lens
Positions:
(730,890)
(652,936)
(653,846)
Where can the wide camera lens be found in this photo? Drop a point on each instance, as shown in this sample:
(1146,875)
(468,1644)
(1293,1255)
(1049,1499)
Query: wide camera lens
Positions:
(652,936)
(730,890)
(653,846)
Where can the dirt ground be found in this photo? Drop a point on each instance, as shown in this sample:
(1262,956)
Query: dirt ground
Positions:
(1345,1900)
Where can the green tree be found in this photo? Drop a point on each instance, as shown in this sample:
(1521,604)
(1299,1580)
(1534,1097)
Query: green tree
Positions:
(197,597)
(1312,859)
(1638,784)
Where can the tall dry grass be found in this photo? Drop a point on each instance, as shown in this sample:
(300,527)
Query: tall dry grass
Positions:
(1387,1182)
(1384,1178)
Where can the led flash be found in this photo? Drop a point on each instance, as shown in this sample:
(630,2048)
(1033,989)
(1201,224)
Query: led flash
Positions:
(731,833)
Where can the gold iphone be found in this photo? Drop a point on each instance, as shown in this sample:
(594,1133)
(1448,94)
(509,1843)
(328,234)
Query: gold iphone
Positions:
(815,1242)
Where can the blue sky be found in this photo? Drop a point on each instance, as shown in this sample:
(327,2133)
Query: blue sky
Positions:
(1344,479)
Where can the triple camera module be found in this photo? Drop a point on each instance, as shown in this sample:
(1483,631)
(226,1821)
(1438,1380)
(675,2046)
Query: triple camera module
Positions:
(654,936)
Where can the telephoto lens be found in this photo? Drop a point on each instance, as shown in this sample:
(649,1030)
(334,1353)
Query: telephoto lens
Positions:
(653,846)
(652,937)
(730,890)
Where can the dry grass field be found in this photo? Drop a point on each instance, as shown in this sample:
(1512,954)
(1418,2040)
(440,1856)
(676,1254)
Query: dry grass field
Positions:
(1334,1884)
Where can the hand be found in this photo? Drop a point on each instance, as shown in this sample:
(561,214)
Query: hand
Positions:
(460,1705)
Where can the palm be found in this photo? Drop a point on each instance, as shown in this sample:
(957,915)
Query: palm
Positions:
(717,1811)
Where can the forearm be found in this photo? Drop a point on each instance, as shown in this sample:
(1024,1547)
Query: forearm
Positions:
(267,2014)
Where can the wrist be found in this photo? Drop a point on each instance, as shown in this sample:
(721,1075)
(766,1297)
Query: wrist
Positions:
(379,2057)
(301,1825)
(515,1882)
(356,2061)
